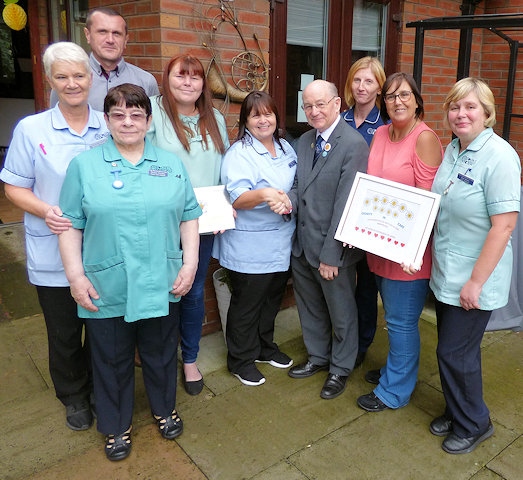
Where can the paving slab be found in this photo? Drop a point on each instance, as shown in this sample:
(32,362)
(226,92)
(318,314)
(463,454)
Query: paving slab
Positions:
(392,445)
(509,463)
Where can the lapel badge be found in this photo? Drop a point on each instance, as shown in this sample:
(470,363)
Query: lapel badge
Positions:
(327,147)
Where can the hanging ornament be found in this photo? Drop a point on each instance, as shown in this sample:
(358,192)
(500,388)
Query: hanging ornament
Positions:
(14,15)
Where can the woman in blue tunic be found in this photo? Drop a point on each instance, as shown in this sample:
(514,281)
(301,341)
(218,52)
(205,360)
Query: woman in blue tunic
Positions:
(363,95)
(257,170)
(479,184)
(131,254)
(39,153)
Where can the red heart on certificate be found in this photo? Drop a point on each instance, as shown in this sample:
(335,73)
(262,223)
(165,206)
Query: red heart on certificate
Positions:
(402,244)
(362,230)
(389,239)
(357,228)
(382,236)
(368,232)
(375,234)
(395,242)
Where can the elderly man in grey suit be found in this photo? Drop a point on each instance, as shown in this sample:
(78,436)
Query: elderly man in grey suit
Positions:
(324,270)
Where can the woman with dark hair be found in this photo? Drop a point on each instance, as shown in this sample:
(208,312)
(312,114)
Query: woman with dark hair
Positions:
(186,124)
(131,254)
(257,170)
(409,152)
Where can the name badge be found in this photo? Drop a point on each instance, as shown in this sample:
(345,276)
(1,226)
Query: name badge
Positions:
(465,179)
(158,173)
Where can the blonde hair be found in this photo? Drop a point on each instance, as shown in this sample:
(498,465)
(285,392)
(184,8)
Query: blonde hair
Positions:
(366,62)
(485,96)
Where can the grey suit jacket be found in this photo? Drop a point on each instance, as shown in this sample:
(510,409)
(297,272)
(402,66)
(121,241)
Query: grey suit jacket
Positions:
(319,195)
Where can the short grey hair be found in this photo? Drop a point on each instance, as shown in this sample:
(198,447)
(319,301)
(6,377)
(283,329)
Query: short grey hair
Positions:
(64,52)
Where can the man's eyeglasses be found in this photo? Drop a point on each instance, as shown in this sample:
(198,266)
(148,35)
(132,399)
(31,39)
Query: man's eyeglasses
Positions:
(136,117)
(320,105)
(403,96)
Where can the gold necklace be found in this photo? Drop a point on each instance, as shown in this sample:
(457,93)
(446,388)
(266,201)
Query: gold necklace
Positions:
(406,135)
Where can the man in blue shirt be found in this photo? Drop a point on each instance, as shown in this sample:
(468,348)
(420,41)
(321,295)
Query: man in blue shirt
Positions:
(106,33)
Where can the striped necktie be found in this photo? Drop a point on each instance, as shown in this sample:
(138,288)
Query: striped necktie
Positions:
(318,149)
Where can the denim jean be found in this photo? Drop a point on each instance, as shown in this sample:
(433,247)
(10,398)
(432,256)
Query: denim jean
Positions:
(192,307)
(403,303)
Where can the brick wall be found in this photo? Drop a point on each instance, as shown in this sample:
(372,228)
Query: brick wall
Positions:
(489,60)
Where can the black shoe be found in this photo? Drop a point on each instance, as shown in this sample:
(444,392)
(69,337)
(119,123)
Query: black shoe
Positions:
(441,426)
(278,360)
(371,403)
(170,427)
(333,386)
(373,376)
(250,376)
(307,369)
(454,444)
(118,447)
(359,359)
(193,387)
(78,416)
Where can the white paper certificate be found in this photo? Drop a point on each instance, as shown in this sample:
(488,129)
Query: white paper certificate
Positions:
(388,219)
(217,209)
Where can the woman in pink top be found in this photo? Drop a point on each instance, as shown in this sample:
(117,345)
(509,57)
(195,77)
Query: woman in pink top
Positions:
(409,152)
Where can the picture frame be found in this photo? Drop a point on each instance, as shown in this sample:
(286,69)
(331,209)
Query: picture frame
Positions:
(388,219)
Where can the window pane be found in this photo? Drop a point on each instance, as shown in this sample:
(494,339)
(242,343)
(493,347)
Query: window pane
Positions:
(306,41)
(305,22)
(58,21)
(368,29)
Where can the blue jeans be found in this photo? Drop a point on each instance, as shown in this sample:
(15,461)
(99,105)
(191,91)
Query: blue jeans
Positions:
(192,307)
(403,303)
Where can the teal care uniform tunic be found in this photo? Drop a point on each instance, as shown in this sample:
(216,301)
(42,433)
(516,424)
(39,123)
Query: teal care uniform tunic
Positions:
(481,181)
(203,164)
(131,235)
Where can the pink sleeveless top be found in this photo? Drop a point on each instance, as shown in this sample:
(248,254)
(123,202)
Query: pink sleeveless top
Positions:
(398,161)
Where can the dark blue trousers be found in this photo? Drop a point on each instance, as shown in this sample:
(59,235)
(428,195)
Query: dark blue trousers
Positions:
(367,301)
(459,358)
(113,342)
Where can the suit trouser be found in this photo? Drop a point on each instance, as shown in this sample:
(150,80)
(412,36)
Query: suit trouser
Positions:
(459,359)
(255,302)
(69,356)
(328,315)
(113,342)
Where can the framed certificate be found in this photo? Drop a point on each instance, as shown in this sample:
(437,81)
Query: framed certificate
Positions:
(388,219)
(217,209)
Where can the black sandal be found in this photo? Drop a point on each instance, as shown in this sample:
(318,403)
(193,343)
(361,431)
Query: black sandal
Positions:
(118,447)
(170,427)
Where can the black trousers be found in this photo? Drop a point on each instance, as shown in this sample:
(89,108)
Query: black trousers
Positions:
(69,356)
(459,359)
(367,300)
(113,342)
(255,302)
